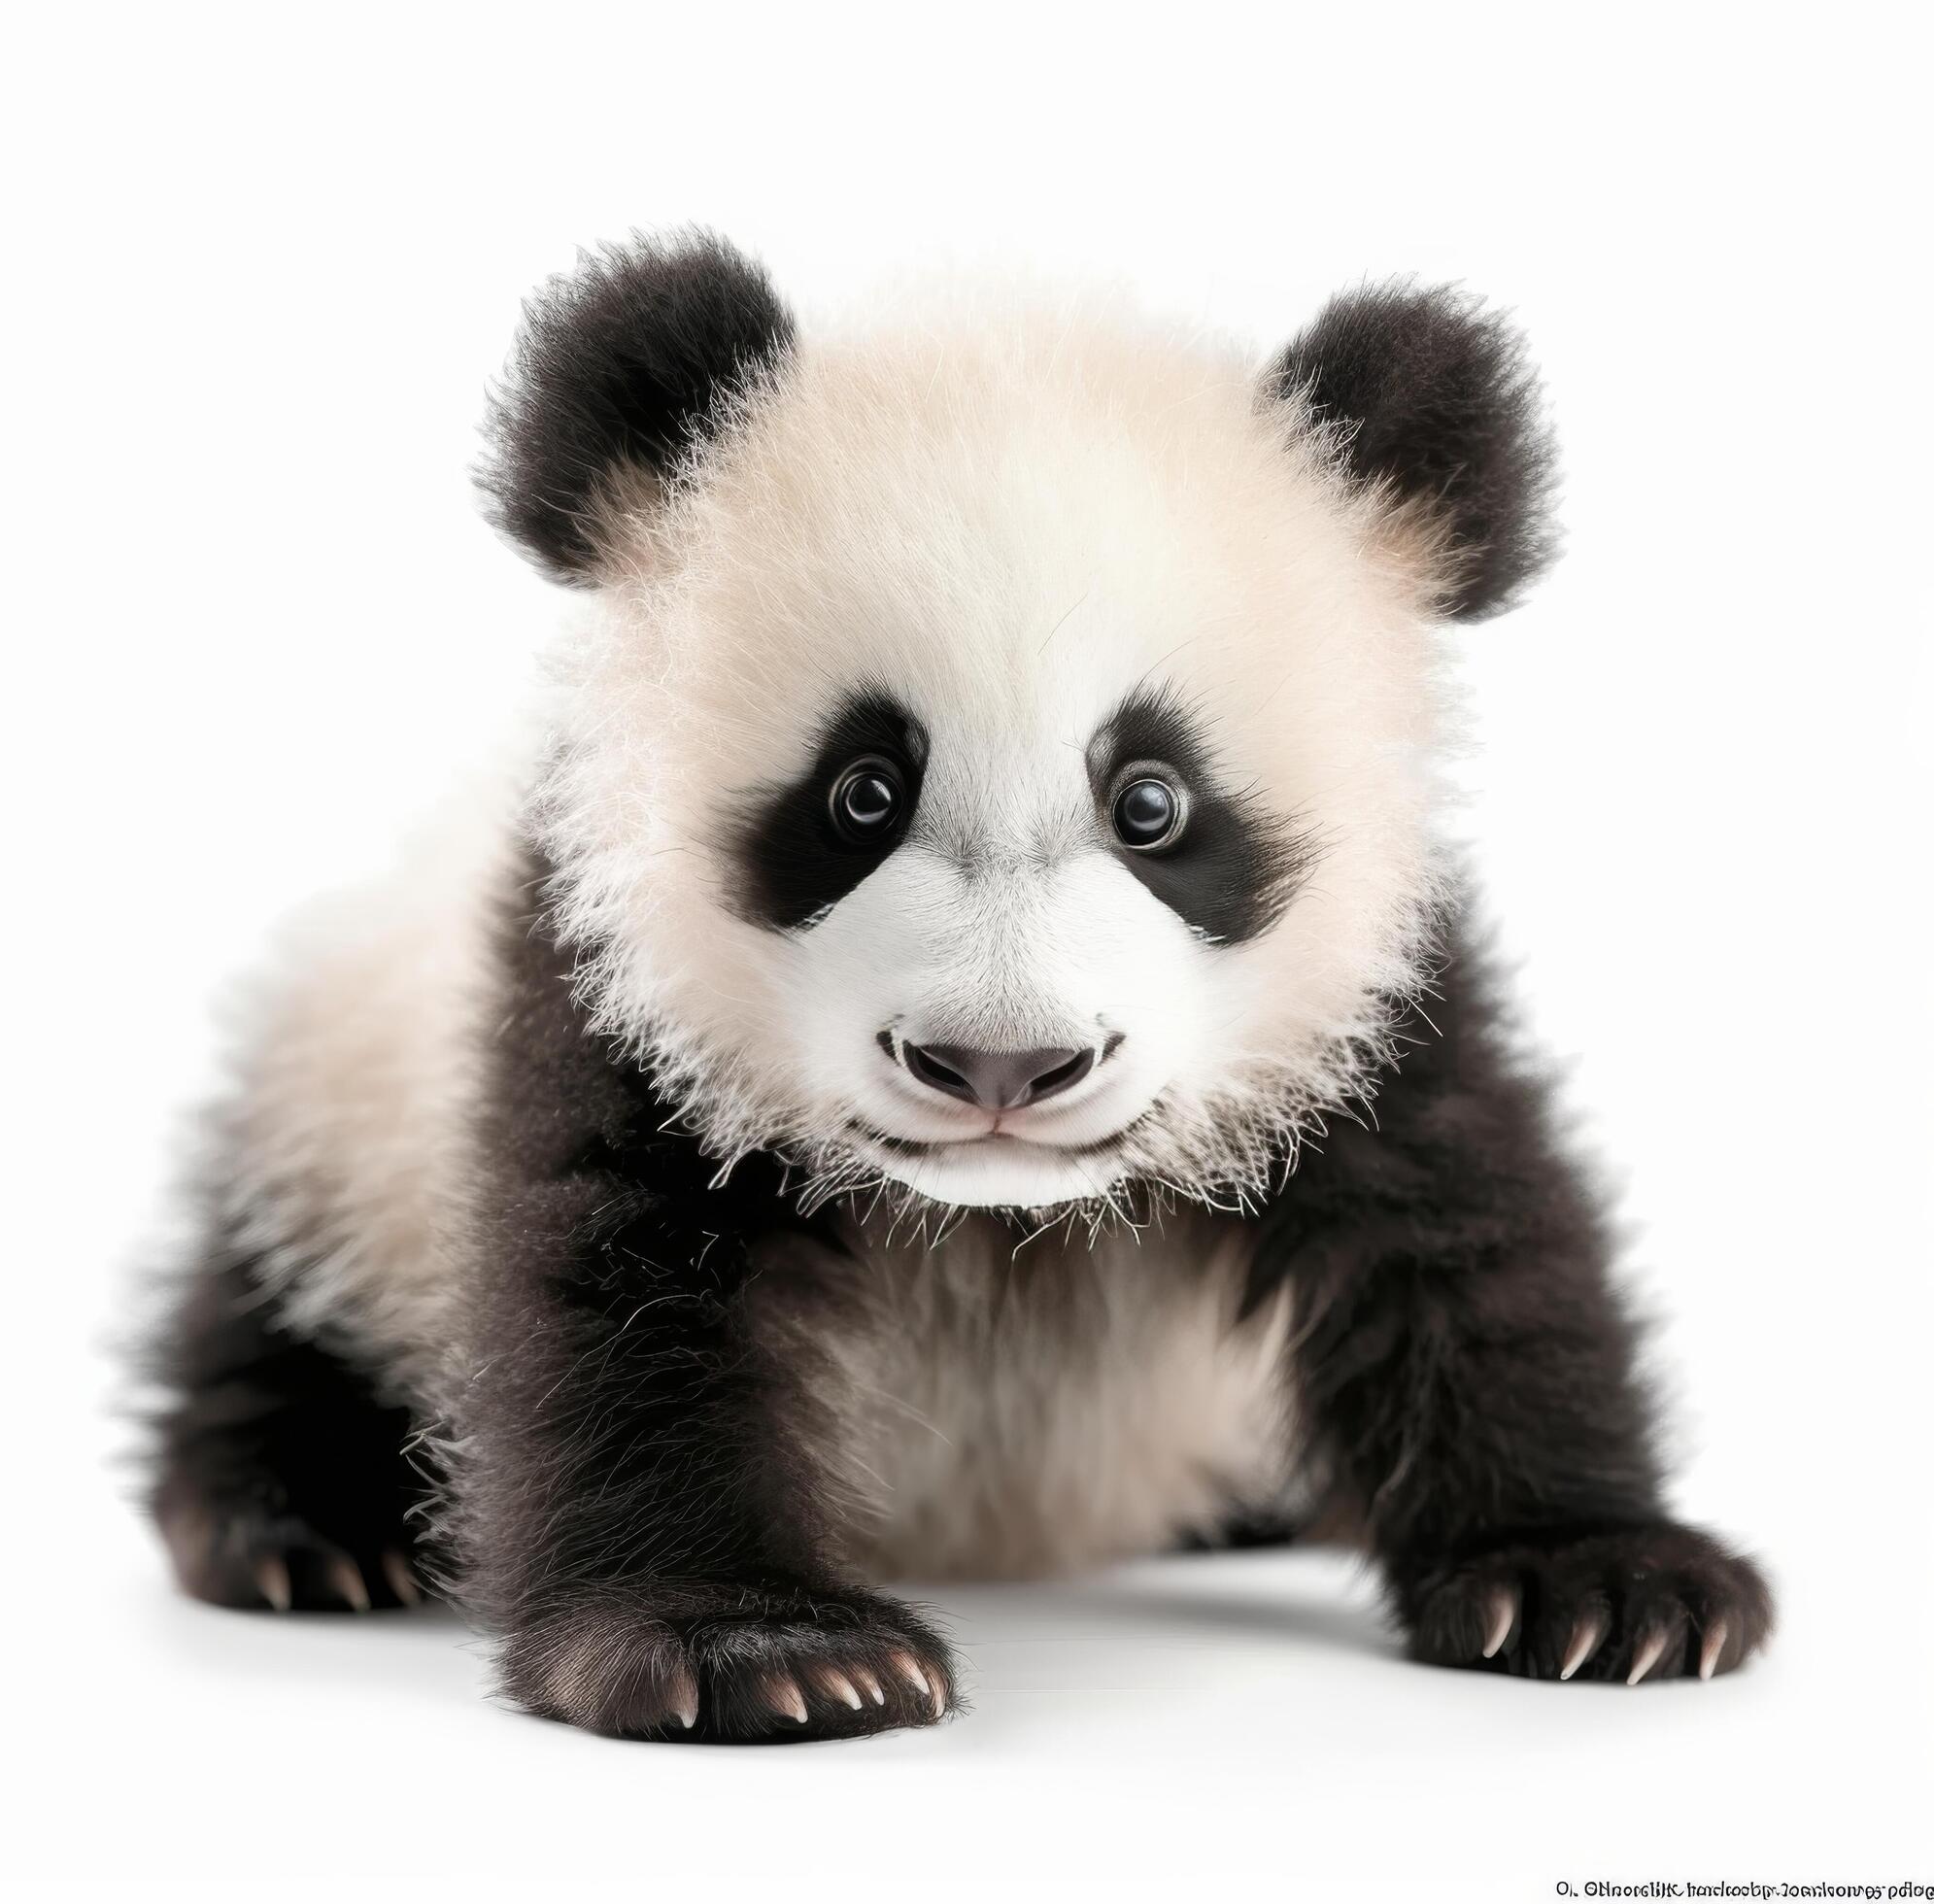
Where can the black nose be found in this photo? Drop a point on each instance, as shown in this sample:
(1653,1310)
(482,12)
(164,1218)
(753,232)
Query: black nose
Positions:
(997,1080)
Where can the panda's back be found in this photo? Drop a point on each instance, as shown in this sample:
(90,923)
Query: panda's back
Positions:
(357,1087)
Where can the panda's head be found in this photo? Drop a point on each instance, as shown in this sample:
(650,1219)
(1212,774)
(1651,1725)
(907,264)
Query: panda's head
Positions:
(997,756)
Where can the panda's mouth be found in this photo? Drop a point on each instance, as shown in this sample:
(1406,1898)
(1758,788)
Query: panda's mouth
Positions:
(1001,1169)
(996,1140)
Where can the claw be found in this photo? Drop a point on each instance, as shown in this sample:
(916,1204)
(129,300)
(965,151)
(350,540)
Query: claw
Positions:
(402,1582)
(272,1578)
(787,1700)
(1502,1606)
(838,1687)
(934,1689)
(909,1668)
(1588,1636)
(1717,1636)
(684,1700)
(1652,1649)
(346,1576)
(870,1684)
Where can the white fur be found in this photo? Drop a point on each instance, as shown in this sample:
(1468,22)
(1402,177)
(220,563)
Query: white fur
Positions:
(982,1411)
(347,1162)
(1010,524)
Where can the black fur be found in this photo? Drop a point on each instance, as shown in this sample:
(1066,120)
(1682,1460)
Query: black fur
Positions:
(275,1461)
(627,1484)
(796,861)
(1230,876)
(1435,397)
(1467,1372)
(633,1510)
(631,1492)
(627,359)
(1463,1368)
(1237,865)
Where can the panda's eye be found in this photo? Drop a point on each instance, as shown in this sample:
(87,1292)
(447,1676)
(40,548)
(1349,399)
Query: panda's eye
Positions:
(867,799)
(1150,811)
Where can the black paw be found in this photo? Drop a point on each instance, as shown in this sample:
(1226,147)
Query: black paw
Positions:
(712,1663)
(260,1553)
(1632,1604)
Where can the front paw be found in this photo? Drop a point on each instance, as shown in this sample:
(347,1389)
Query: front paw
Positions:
(1631,1604)
(710,1662)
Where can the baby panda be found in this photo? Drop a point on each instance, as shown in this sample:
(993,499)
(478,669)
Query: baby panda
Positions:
(962,1059)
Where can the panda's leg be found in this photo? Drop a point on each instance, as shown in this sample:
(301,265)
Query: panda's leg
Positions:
(279,1478)
(1465,1375)
(638,1510)
(642,1513)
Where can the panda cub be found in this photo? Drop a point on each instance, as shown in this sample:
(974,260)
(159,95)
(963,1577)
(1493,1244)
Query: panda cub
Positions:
(963,1060)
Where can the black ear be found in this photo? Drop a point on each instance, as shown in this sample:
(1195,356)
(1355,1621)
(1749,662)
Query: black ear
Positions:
(1430,395)
(627,360)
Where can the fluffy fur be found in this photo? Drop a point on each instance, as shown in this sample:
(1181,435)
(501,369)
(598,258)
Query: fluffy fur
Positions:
(1433,402)
(1019,524)
(623,365)
(597,1170)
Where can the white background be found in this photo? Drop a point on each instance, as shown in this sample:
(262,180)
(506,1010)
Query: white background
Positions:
(260,264)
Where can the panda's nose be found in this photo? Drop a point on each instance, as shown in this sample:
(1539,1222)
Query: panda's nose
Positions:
(997,1080)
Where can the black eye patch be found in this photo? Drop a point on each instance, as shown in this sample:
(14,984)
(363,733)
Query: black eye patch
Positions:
(807,844)
(1234,866)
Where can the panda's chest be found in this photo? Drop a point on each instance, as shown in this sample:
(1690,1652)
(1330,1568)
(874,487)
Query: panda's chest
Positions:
(973,1411)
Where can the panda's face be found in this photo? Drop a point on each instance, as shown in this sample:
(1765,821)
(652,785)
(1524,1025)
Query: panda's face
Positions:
(1002,769)
(1003,931)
